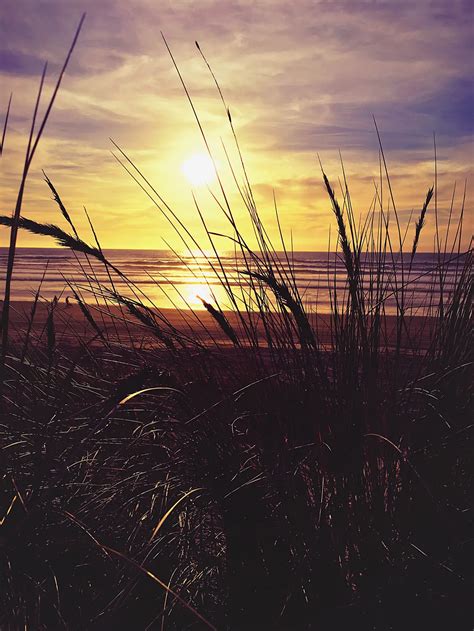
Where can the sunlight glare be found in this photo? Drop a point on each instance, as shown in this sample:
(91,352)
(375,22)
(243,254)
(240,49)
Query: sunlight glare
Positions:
(199,170)
(193,293)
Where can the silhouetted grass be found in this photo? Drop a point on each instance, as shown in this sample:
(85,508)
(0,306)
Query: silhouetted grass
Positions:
(167,480)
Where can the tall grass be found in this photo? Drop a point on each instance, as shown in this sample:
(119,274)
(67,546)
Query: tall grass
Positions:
(277,477)
(33,143)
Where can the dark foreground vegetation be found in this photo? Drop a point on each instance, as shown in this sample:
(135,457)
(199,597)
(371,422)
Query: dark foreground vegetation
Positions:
(269,482)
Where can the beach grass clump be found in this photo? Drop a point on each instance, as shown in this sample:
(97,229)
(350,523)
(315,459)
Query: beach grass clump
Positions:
(275,473)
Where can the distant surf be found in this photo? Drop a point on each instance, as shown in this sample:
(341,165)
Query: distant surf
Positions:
(164,280)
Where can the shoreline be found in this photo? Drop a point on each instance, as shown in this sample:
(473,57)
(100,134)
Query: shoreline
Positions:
(71,325)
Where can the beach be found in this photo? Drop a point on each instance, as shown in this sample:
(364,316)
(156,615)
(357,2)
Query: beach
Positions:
(236,342)
(119,326)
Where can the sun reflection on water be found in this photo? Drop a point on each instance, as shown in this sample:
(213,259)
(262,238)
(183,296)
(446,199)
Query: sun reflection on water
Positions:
(194,294)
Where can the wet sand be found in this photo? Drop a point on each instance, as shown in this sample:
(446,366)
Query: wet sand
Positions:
(72,328)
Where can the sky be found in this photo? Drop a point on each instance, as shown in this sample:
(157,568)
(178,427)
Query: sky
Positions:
(302,79)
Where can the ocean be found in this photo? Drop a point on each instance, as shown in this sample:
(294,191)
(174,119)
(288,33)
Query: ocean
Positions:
(163,279)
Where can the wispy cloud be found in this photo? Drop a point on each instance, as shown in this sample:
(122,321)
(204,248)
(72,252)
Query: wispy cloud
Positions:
(300,78)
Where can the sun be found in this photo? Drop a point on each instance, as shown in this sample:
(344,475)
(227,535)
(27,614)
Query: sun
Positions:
(199,170)
(195,294)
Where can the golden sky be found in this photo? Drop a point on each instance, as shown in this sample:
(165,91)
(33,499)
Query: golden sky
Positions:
(301,79)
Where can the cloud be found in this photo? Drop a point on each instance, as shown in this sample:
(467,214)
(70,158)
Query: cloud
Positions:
(300,78)
(18,63)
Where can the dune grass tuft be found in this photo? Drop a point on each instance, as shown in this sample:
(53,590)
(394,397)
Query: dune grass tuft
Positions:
(311,474)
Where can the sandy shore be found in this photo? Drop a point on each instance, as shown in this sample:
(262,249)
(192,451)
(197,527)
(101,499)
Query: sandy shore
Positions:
(72,327)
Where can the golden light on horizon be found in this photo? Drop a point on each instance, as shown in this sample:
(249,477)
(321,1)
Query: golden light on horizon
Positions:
(199,170)
(194,293)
